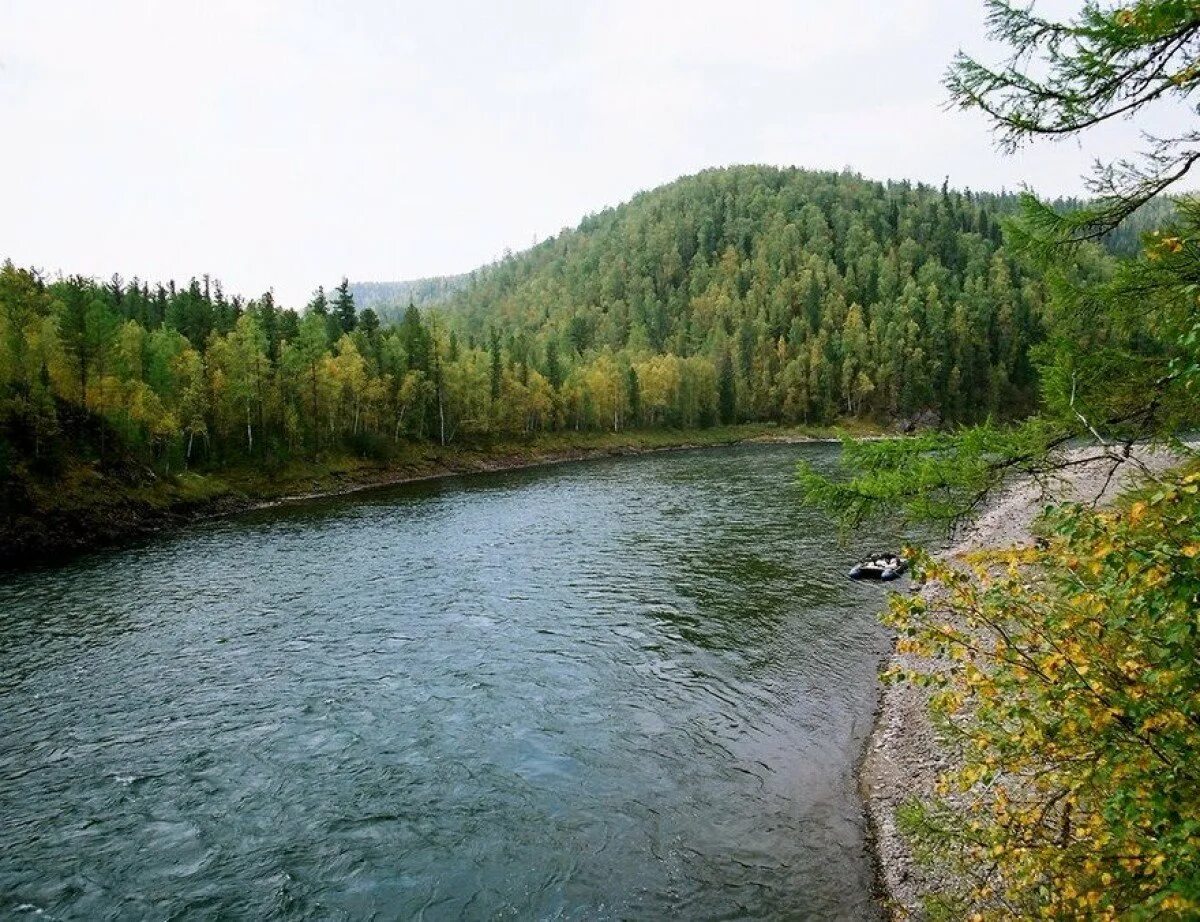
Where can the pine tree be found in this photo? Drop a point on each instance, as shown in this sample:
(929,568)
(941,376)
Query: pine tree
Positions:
(368,321)
(319,304)
(496,366)
(727,396)
(86,327)
(633,396)
(554,373)
(343,307)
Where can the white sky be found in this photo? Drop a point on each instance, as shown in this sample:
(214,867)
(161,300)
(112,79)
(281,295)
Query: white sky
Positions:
(284,144)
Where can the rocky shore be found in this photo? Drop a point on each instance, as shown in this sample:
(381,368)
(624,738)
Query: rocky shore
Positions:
(904,757)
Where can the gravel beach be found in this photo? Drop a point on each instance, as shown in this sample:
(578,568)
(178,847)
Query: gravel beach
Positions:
(903,757)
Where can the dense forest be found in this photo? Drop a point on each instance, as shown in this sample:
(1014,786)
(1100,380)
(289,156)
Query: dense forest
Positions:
(756,293)
(741,294)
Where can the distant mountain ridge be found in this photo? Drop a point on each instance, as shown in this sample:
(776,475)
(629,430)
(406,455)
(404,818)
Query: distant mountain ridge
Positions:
(389,299)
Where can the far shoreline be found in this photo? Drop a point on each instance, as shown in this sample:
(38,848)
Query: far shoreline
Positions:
(502,465)
(94,512)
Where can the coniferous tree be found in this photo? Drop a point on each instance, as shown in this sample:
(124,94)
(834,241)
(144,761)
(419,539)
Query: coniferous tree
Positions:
(343,307)
(742,294)
(368,321)
(727,398)
(633,396)
(496,365)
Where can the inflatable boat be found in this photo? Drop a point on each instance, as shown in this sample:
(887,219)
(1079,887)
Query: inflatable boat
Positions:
(883,567)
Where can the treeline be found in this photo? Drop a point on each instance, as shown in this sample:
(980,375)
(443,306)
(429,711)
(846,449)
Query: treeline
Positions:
(180,376)
(185,375)
(747,294)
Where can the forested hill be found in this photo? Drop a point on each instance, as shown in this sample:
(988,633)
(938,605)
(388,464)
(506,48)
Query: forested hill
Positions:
(787,294)
(747,294)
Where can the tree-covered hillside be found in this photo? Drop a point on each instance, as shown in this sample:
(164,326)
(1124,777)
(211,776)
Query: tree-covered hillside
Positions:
(763,293)
(737,295)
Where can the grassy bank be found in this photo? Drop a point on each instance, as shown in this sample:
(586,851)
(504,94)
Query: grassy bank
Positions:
(84,506)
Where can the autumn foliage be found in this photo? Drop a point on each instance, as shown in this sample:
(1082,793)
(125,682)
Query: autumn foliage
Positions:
(1067,677)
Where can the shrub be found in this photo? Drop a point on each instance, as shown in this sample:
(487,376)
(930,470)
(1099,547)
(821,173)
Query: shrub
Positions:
(1068,676)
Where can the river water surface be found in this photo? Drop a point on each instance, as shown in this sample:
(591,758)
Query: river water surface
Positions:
(628,689)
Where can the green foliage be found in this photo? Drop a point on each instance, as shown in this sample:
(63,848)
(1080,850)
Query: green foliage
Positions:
(1119,364)
(1070,686)
(1063,78)
(831,296)
(933,476)
(747,294)
(343,307)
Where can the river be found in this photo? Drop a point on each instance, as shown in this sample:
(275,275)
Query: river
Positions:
(621,689)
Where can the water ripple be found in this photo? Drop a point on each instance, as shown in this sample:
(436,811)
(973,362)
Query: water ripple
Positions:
(615,690)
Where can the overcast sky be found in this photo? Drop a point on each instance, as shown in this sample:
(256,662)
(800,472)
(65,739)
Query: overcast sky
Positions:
(284,144)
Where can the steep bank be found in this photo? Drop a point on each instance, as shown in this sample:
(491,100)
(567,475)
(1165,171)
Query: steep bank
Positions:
(904,757)
(85,508)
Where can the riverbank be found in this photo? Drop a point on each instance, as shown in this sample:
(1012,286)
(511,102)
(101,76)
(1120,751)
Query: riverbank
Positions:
(904,757)
(85,507)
